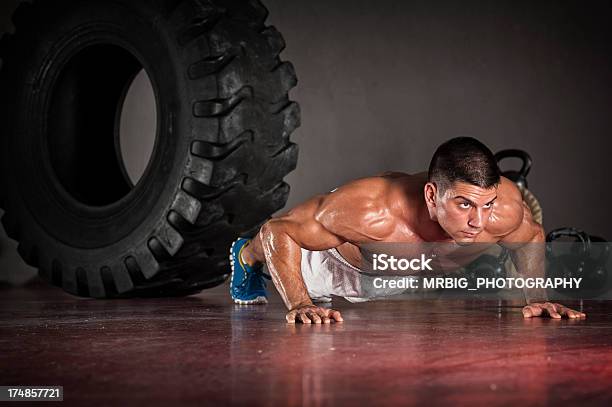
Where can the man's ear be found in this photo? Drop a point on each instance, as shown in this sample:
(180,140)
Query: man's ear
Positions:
(430,192)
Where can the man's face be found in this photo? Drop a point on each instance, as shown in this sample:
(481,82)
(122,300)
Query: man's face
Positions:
(462,210)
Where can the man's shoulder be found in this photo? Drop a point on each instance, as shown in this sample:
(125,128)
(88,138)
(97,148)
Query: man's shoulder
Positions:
(383,197)
(385,190)
(365,206)
(392,174)
(376,183)
(508,210)
(358,195)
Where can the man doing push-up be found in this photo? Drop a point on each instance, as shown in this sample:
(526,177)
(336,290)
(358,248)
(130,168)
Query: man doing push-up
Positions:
(461,199)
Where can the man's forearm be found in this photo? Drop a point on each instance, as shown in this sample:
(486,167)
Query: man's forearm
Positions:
(530,262)
(283,258)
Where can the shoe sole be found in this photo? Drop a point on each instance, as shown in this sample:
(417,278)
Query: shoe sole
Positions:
(258,299)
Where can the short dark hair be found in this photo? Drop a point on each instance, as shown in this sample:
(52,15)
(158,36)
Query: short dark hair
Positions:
(463,159)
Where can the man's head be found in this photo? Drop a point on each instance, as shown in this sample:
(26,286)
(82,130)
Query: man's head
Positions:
(463,179)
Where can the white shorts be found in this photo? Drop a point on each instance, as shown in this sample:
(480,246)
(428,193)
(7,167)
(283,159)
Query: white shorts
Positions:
(327,273)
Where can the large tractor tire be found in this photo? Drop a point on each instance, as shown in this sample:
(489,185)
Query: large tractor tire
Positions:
(221,151)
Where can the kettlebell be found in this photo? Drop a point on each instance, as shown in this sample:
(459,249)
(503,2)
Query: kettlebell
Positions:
(596,275)
(520,176)
(579,262)
(571,264)
(487,266)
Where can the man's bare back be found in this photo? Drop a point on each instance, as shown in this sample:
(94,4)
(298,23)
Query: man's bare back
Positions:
(395,207)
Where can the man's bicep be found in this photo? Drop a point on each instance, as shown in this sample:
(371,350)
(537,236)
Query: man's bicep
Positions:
(528,231)
(312,235)
(356,212)
(302,225)
(352,213)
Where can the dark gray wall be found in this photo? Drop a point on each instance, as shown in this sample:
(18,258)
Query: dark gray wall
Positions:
(382,83)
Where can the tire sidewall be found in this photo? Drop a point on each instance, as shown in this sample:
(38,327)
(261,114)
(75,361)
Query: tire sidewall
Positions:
(93,235)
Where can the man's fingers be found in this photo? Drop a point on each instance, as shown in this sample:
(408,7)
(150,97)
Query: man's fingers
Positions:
(552,311)
(532,311)
(304,318)
(563,311)
(527,312)
(335,315)
(569,311)
(291,317)
(536,310)
(317,315)
(314,317)
(323,314)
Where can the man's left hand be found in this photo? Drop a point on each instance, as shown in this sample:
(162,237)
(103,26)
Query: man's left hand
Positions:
(550,309)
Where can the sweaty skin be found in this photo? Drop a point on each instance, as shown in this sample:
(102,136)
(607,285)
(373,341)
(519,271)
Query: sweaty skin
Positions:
(398,207)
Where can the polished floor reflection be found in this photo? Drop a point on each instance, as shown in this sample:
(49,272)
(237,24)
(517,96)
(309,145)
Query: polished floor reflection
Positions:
(203,349)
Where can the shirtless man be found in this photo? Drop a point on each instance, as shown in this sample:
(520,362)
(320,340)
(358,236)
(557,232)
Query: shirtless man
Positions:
(461,199)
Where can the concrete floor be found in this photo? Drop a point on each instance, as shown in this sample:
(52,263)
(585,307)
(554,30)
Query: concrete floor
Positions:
(203,349)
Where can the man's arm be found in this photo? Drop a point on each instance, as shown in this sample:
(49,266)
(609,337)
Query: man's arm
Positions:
(282,240)
(528,253)
(323,222)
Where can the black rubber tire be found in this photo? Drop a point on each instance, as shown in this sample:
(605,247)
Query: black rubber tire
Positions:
(222,148)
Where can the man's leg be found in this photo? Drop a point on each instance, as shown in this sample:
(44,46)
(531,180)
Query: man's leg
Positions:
(247,284)
(253,252)
(252,255)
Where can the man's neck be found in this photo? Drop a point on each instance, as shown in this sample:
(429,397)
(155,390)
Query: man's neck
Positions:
(428,228)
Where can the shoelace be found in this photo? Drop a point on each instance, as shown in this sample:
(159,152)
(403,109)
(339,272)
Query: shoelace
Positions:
(258,270)
(247,276)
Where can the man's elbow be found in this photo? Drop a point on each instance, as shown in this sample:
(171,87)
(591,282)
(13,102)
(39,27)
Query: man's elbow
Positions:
(539,235)
(273,228)
(269,228)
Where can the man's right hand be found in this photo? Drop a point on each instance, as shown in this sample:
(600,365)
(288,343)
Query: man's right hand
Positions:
(309,314)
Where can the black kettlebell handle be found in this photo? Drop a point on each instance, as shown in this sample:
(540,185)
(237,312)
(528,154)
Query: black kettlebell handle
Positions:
(513,153)
(605,251)
(570,232)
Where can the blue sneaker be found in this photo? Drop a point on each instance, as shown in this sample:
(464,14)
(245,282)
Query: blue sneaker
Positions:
(247,284)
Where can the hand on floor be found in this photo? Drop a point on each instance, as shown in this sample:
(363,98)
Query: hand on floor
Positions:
(553,310)
(312,314)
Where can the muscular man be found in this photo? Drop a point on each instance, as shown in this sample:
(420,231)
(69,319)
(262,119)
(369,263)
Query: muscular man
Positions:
(461,199)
